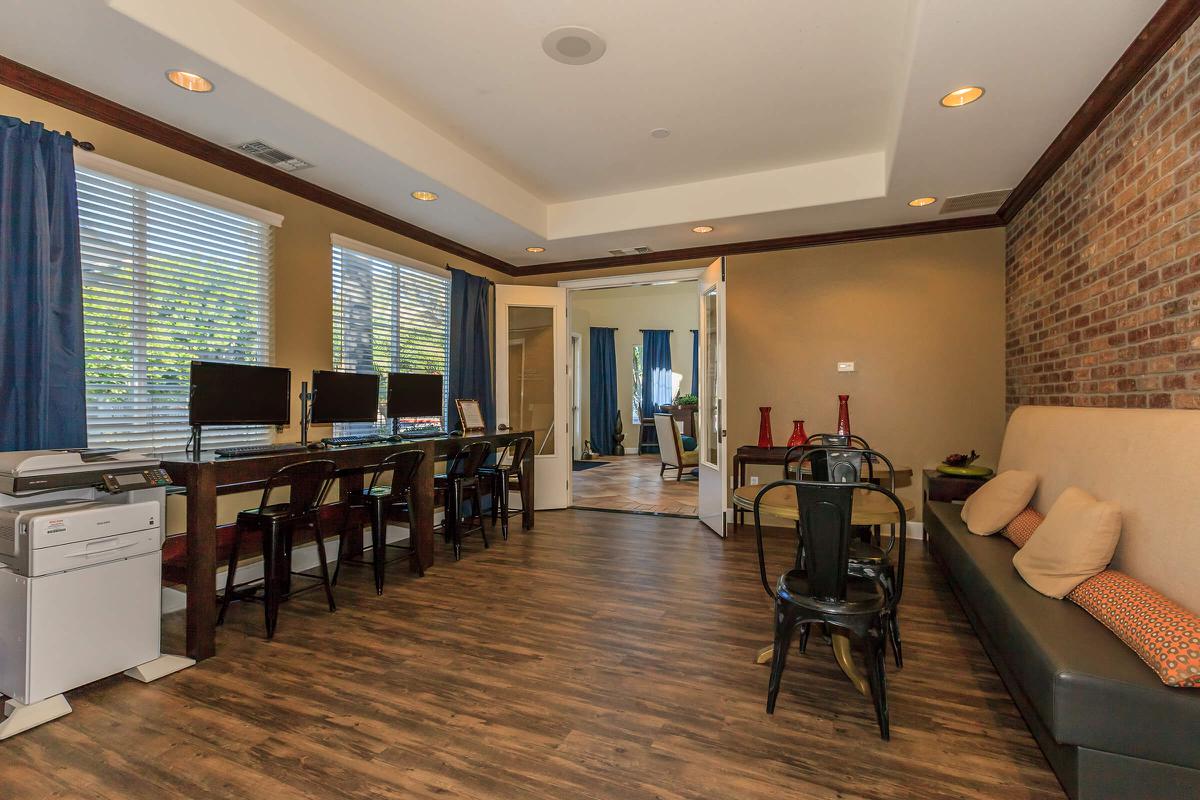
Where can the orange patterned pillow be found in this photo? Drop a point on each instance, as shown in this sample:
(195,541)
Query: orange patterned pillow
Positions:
(1022,527)
(1163,633)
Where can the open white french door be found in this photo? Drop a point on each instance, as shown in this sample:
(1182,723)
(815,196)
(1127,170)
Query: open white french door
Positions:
(532,392)
(714,466)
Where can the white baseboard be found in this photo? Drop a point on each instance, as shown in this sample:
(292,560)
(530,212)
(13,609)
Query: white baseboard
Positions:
(916,530)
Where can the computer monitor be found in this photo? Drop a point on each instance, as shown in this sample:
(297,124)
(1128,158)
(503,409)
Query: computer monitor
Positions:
(239,394)
(414,394)
(344,397)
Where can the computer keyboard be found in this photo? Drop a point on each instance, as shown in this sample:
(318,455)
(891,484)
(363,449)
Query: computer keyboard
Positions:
(343,441)
(422,433)
(259,450)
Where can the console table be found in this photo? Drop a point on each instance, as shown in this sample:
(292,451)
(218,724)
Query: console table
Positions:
(210,475)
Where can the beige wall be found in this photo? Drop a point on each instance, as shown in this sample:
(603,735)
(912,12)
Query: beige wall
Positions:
(630,309)
(921,317)
(303,305)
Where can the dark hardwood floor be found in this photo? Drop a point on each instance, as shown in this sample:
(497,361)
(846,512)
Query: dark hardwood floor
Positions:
(599,656)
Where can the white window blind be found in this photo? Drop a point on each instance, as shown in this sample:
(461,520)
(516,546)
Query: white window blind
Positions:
(165,280)
(388,317)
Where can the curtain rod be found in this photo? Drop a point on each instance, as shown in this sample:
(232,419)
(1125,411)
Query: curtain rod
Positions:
(81,145)
(655,330)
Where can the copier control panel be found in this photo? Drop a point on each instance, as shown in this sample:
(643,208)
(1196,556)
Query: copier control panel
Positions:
(126,481)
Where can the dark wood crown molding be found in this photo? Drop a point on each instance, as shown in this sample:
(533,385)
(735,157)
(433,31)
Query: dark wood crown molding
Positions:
(767,245)
(1163,30)
(51,89)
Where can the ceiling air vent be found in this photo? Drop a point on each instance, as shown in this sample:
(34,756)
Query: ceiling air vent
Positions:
(631,251)
(968,202)
(272,155)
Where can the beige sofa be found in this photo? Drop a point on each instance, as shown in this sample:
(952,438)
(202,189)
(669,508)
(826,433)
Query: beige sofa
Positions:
(1107,724)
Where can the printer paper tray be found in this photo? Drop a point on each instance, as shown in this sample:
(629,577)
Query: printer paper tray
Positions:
(48,560)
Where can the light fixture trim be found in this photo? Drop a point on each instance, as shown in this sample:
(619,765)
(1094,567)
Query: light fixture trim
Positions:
(702,229)
(535,249)
(574,45)
(964,95)
(660,133)
(424,196)
(921,202)
(189,81)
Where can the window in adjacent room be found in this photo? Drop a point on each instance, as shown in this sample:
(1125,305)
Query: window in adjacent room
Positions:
(389,315)
(166,279)
(636,414)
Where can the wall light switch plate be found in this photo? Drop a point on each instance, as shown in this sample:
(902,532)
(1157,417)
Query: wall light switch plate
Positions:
(845,366)
(754,480)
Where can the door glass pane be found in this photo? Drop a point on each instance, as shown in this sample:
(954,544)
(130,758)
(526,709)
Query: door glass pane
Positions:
(531,374)
(713,423)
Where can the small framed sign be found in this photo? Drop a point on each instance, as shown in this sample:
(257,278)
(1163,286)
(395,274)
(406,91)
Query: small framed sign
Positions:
(470,415)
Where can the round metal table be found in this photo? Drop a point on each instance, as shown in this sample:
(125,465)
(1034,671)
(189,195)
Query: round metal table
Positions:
(869,508)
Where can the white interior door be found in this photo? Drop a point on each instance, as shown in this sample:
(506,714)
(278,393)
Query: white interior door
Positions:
(714,466)
(532,392)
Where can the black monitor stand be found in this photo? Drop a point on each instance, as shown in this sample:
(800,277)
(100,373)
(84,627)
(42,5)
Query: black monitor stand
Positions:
(196,442)
(305,400)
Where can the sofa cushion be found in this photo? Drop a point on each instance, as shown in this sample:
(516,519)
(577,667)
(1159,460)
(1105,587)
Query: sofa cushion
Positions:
(1163,633)
(1088,688)
(1075,542)
(1022,527)
(997,502)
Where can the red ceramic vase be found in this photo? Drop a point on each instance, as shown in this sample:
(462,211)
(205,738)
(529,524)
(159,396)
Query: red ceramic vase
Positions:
(843,428)
(798,437)
(764,426)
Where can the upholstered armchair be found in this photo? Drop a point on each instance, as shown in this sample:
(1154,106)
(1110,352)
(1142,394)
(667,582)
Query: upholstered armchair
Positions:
(670,447)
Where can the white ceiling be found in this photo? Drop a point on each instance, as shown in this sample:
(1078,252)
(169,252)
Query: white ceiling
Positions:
(787,117)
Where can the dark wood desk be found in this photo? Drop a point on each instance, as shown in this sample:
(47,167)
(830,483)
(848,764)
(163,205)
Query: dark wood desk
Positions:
(210,476)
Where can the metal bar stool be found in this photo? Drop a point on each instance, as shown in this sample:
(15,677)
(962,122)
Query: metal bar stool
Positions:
(309,483)
(460,483)
(508,470)
(381,502)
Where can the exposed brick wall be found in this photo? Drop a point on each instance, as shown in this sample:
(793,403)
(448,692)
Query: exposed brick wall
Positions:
(1103,264)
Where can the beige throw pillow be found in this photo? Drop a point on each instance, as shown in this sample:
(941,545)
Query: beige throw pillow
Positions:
(1076,541)
(997,502)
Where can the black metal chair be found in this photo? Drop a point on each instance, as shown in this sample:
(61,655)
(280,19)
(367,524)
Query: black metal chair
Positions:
(508,470)
(822,590)
(459,484)
(309,483)
(869,557)
(381,503)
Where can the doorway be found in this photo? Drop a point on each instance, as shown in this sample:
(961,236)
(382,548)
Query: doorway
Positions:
(634,347)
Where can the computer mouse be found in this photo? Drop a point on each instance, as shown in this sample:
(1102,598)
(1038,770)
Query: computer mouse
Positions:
(317,445)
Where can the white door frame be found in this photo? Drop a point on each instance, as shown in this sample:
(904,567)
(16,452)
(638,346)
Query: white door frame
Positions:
(576,392)
(713,501)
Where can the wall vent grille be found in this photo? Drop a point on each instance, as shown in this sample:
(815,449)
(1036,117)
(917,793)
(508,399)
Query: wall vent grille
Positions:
(631,251)
(969,202)
(272,155)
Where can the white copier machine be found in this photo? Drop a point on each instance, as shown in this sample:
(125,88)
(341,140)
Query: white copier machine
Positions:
(81,535)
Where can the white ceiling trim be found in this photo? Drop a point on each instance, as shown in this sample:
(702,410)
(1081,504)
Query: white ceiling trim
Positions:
(616,281)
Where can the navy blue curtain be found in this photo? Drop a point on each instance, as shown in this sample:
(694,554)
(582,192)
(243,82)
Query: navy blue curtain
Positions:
(603,379)
(470,345)
(696,363)
(656,372)
(42,402)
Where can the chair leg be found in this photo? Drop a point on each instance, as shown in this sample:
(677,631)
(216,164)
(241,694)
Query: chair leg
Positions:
(479,514)
(877,679)
(803,642)
(272,541)
(503,502)
(229,575)
(526,506)
(323,562)
(378,543)
(496,495)
(784,623)
(894,634)
(342,541)
(453,507)
(679,473)
(662,469)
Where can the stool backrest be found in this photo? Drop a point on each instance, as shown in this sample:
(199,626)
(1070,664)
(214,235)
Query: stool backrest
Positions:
(403,466)
(309,482)
(824,510)
(515,453)
(466,462)
(843,465)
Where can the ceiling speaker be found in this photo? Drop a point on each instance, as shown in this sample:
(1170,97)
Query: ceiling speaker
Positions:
(573,45)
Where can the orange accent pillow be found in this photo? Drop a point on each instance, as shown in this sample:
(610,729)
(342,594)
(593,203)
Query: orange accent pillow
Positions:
(1163,633)
(1022,527)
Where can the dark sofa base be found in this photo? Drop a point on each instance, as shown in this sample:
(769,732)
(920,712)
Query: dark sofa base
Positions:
(1085,773)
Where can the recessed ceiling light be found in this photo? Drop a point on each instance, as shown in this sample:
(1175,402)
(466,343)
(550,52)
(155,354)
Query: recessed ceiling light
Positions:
(960,97)
(660,133)
(573,45)
(190,81)
(702,229)
(427,197)
(535,249)
(922,201)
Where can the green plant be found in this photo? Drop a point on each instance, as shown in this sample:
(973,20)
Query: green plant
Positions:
(687,400)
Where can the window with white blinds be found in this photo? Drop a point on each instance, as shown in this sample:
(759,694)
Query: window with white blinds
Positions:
(388,317)
(165,280)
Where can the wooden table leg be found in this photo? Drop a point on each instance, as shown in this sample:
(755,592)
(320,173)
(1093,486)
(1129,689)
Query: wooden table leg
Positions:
(527,495)
(841,652)
(201,562)
(423,509)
